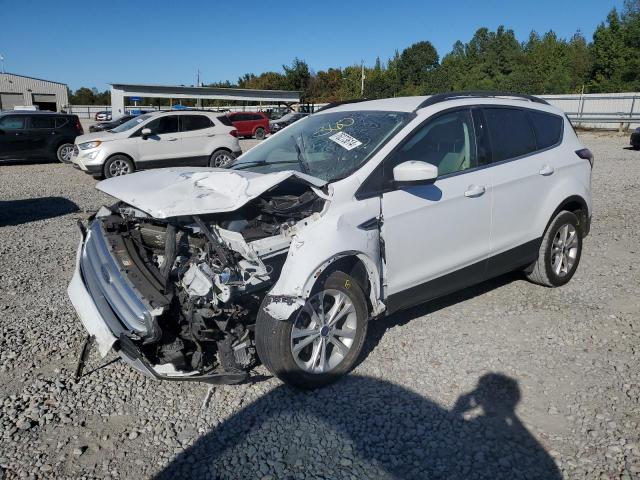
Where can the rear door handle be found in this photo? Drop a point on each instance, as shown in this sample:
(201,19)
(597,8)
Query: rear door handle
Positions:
(546,170)
(171,139)
(474,191)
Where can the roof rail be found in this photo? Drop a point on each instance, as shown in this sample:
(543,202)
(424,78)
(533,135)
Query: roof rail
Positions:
(443,97)
(337,104)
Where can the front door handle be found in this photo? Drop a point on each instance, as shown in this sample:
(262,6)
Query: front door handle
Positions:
(474,191)
(546,170)
(171,139)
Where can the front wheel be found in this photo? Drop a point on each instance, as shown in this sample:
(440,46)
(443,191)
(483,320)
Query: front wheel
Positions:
(221,158)
(118,165)
(559,252)
(65,152)
(322,340)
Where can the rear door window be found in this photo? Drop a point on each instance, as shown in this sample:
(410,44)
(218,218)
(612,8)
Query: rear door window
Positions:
(510,133)
(42,122)
(194,122)
(547,127)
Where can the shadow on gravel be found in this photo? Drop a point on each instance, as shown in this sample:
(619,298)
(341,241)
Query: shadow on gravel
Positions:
(366,428)
(377,328)
(27,161)
(17,212)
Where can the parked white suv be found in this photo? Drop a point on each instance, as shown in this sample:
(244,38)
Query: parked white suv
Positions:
(353,213)
(162,139)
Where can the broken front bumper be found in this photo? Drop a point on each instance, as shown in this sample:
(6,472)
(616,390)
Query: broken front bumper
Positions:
(101,318)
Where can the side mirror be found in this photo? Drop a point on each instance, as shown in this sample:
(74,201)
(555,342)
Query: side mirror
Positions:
(146,133)
(414,172)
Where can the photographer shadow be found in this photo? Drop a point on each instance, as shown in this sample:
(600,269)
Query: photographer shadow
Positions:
(366,428)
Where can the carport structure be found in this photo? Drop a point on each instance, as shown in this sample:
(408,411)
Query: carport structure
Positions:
(121,90)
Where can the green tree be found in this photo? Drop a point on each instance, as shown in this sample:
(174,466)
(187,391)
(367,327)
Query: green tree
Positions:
(415,63)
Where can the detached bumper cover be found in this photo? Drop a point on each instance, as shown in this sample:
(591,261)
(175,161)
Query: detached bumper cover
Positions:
(88,312)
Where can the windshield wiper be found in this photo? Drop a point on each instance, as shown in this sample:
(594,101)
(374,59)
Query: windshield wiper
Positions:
(300,150)
(259,163)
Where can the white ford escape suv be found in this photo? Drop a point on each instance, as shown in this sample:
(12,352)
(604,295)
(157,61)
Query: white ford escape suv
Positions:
(162,139)
(353,213)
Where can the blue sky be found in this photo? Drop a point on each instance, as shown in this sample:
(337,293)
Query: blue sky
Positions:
(92,43)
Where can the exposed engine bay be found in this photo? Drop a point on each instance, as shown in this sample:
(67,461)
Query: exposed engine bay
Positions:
(204,277)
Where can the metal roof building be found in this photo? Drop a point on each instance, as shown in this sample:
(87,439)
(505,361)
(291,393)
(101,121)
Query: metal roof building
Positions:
(121,90)
(18,90)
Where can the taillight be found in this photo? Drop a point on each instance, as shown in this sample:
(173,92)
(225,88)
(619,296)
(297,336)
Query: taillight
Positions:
(234,133)
(79,127)
(585,154)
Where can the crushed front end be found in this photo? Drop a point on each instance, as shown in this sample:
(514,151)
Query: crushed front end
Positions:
(177,297)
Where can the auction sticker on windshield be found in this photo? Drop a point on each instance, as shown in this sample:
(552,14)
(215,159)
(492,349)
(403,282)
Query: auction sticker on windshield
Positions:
(345,140)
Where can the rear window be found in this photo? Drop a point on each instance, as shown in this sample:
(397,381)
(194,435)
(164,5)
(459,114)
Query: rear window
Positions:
(225,121)
(194,122)
(510,132)
(547,127)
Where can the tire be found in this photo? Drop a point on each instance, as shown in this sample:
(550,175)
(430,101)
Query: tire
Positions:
(221,158)
(259,133)
(559,253)
(275,344)
(118,165)
(64,152)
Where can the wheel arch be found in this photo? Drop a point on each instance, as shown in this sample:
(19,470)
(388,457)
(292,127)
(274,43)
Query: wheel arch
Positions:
(577,205)
(356,264)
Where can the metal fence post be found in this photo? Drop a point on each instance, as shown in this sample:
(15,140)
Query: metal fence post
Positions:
(633,104)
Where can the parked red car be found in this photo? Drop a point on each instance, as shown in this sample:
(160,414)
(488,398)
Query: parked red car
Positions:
(250,124)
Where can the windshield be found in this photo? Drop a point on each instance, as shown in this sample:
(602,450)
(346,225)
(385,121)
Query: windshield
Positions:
(329,146)
(286,117)
(135,121)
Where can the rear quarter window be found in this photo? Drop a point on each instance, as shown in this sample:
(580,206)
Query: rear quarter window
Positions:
(547,127)
(225,121)
(61,122)
(510,133)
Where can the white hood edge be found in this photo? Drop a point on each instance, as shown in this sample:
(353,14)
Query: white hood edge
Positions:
(172,192)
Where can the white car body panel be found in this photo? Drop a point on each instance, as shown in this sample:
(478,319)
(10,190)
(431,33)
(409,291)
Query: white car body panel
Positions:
(171,192)
(432,230)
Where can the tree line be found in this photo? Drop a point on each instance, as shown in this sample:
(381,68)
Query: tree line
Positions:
(490,60)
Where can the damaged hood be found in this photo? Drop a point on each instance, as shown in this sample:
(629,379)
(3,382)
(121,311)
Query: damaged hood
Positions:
(172,192)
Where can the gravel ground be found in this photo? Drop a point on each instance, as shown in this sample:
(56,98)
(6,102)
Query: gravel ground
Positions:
(504,380)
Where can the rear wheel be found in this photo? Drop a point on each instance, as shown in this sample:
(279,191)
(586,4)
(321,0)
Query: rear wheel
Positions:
(259,134)
(322,340)
(117,166)
(221,158)
(65,152)
(559,252)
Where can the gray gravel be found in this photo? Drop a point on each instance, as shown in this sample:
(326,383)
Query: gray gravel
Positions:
(504,380)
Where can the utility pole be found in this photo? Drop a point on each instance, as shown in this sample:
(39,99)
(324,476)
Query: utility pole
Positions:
(362,78)
(2,60)
(199,101)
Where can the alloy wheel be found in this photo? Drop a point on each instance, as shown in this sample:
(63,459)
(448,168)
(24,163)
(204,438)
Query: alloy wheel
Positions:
(324,331)
(564,250)
(119,167)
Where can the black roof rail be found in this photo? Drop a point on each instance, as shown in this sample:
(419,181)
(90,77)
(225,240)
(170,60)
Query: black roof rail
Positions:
(337,104)
(443,97)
